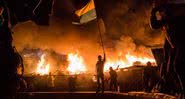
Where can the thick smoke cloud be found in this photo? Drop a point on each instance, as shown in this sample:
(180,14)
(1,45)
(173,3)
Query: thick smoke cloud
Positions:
(131,18)
(127,30)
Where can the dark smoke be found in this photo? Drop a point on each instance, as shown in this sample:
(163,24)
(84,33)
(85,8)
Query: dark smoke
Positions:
(131,18)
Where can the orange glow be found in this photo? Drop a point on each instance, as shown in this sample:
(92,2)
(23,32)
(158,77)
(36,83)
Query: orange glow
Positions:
(114,64)
(42,66)
(127,62)
(131,59)
(76,64)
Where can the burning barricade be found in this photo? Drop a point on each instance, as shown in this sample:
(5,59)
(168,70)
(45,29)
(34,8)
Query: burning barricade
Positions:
(71,72)
(43,67)
(76,64)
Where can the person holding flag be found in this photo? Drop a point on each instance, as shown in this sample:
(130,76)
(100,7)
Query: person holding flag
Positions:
(86,14)
(99,71)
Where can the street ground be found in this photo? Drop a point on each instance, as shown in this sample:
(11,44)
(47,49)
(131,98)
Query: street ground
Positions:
(92,95)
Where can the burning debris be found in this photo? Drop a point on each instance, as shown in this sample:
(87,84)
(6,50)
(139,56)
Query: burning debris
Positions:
(43,66)
(127,61)
(44,61)
(131,59)
(59,69)
(76,64)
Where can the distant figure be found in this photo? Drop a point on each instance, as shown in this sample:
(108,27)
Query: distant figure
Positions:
(72,82)
(148,77)
(21,82)
(100,75)
(51,80)
(113,79)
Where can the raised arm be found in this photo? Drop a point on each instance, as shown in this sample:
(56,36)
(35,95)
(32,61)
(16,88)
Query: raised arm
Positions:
(104,58)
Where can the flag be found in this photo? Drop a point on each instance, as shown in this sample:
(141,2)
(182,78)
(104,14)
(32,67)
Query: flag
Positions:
(86,13)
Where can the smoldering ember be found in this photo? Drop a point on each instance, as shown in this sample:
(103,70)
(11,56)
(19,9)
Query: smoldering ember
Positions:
(92,49)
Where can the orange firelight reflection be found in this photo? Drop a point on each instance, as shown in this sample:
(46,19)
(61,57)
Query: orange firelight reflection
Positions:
(76,64)
(43,67)
(129,61)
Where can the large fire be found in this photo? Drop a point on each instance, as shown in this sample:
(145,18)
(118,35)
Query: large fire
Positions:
(129,61)
(43,66)
(76,64)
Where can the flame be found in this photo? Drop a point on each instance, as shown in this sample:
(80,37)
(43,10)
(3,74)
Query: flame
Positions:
(114,64)
(76,64)
(42,66)
(129,61)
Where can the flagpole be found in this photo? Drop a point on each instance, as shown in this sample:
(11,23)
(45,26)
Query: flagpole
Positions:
(101,40)
(98,25)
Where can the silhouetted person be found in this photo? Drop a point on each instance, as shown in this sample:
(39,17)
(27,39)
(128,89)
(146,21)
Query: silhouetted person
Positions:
(113,79)
(100,75)
(148,75)
(21,84)
(50,78)
(12,12)
(72,82)
(173,20)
